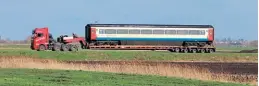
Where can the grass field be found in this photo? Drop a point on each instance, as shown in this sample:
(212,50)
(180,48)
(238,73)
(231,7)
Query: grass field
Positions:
(132,55)
(25,46)
(20,56)
(37,77)
(188,72)
(234,48)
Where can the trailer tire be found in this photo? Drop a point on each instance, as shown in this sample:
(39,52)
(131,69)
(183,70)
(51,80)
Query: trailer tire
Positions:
(171,50)
(185,50)
(210,51)
(64,47)
(194,50)
(76,47)
(73,48)
(42,48)
(202,51)
(207,50)
(177,50)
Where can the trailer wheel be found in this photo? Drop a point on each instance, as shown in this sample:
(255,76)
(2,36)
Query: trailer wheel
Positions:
(64,47)
(76,47)
(73,48)
(42,48)
(177,50)
(194,50)
(210,51)
(171,50)
(202,51)
(207,50)
(185,50)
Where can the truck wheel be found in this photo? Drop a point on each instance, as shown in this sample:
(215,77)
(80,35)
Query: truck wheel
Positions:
(42,48)
(64,47)
(56,47)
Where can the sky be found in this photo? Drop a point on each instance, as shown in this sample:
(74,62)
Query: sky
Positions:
(230,18)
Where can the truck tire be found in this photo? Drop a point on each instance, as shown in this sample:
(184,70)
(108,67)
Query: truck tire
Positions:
(42,48)
(56,47)
(64,47)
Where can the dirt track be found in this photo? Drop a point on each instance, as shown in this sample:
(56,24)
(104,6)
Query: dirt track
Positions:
(214,67)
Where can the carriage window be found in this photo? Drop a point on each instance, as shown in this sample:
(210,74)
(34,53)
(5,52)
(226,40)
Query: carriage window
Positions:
(158,31)
(134,31)
(170,32)
(194,32)
(182,32)
(146,31)
(202,32)
(101,31)
(122,31)
(110,31)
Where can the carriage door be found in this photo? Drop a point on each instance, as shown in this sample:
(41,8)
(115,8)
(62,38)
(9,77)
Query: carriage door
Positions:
(93,33)
(211,34)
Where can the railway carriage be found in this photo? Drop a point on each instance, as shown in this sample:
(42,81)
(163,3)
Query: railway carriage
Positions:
(149,34)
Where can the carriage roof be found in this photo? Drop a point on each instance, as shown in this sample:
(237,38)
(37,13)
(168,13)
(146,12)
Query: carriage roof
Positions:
(149,25)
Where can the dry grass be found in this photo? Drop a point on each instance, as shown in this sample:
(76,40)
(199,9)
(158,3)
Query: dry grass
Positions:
(162,70)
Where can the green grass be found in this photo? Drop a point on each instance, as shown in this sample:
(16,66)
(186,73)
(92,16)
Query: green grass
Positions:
(14,46)
(229,48)
(132,55)
(36,77)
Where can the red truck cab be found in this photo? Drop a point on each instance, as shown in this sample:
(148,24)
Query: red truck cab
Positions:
(43,40)
(40,38)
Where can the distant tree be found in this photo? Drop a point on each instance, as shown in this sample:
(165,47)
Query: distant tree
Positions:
(224,40)
(28,39)
(254,43)
(242,40)
(229,39)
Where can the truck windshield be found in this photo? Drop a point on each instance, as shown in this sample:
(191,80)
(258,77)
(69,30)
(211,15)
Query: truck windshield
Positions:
(33,36)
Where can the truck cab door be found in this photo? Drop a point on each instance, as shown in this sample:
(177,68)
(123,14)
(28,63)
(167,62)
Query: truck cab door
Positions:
(40,39)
